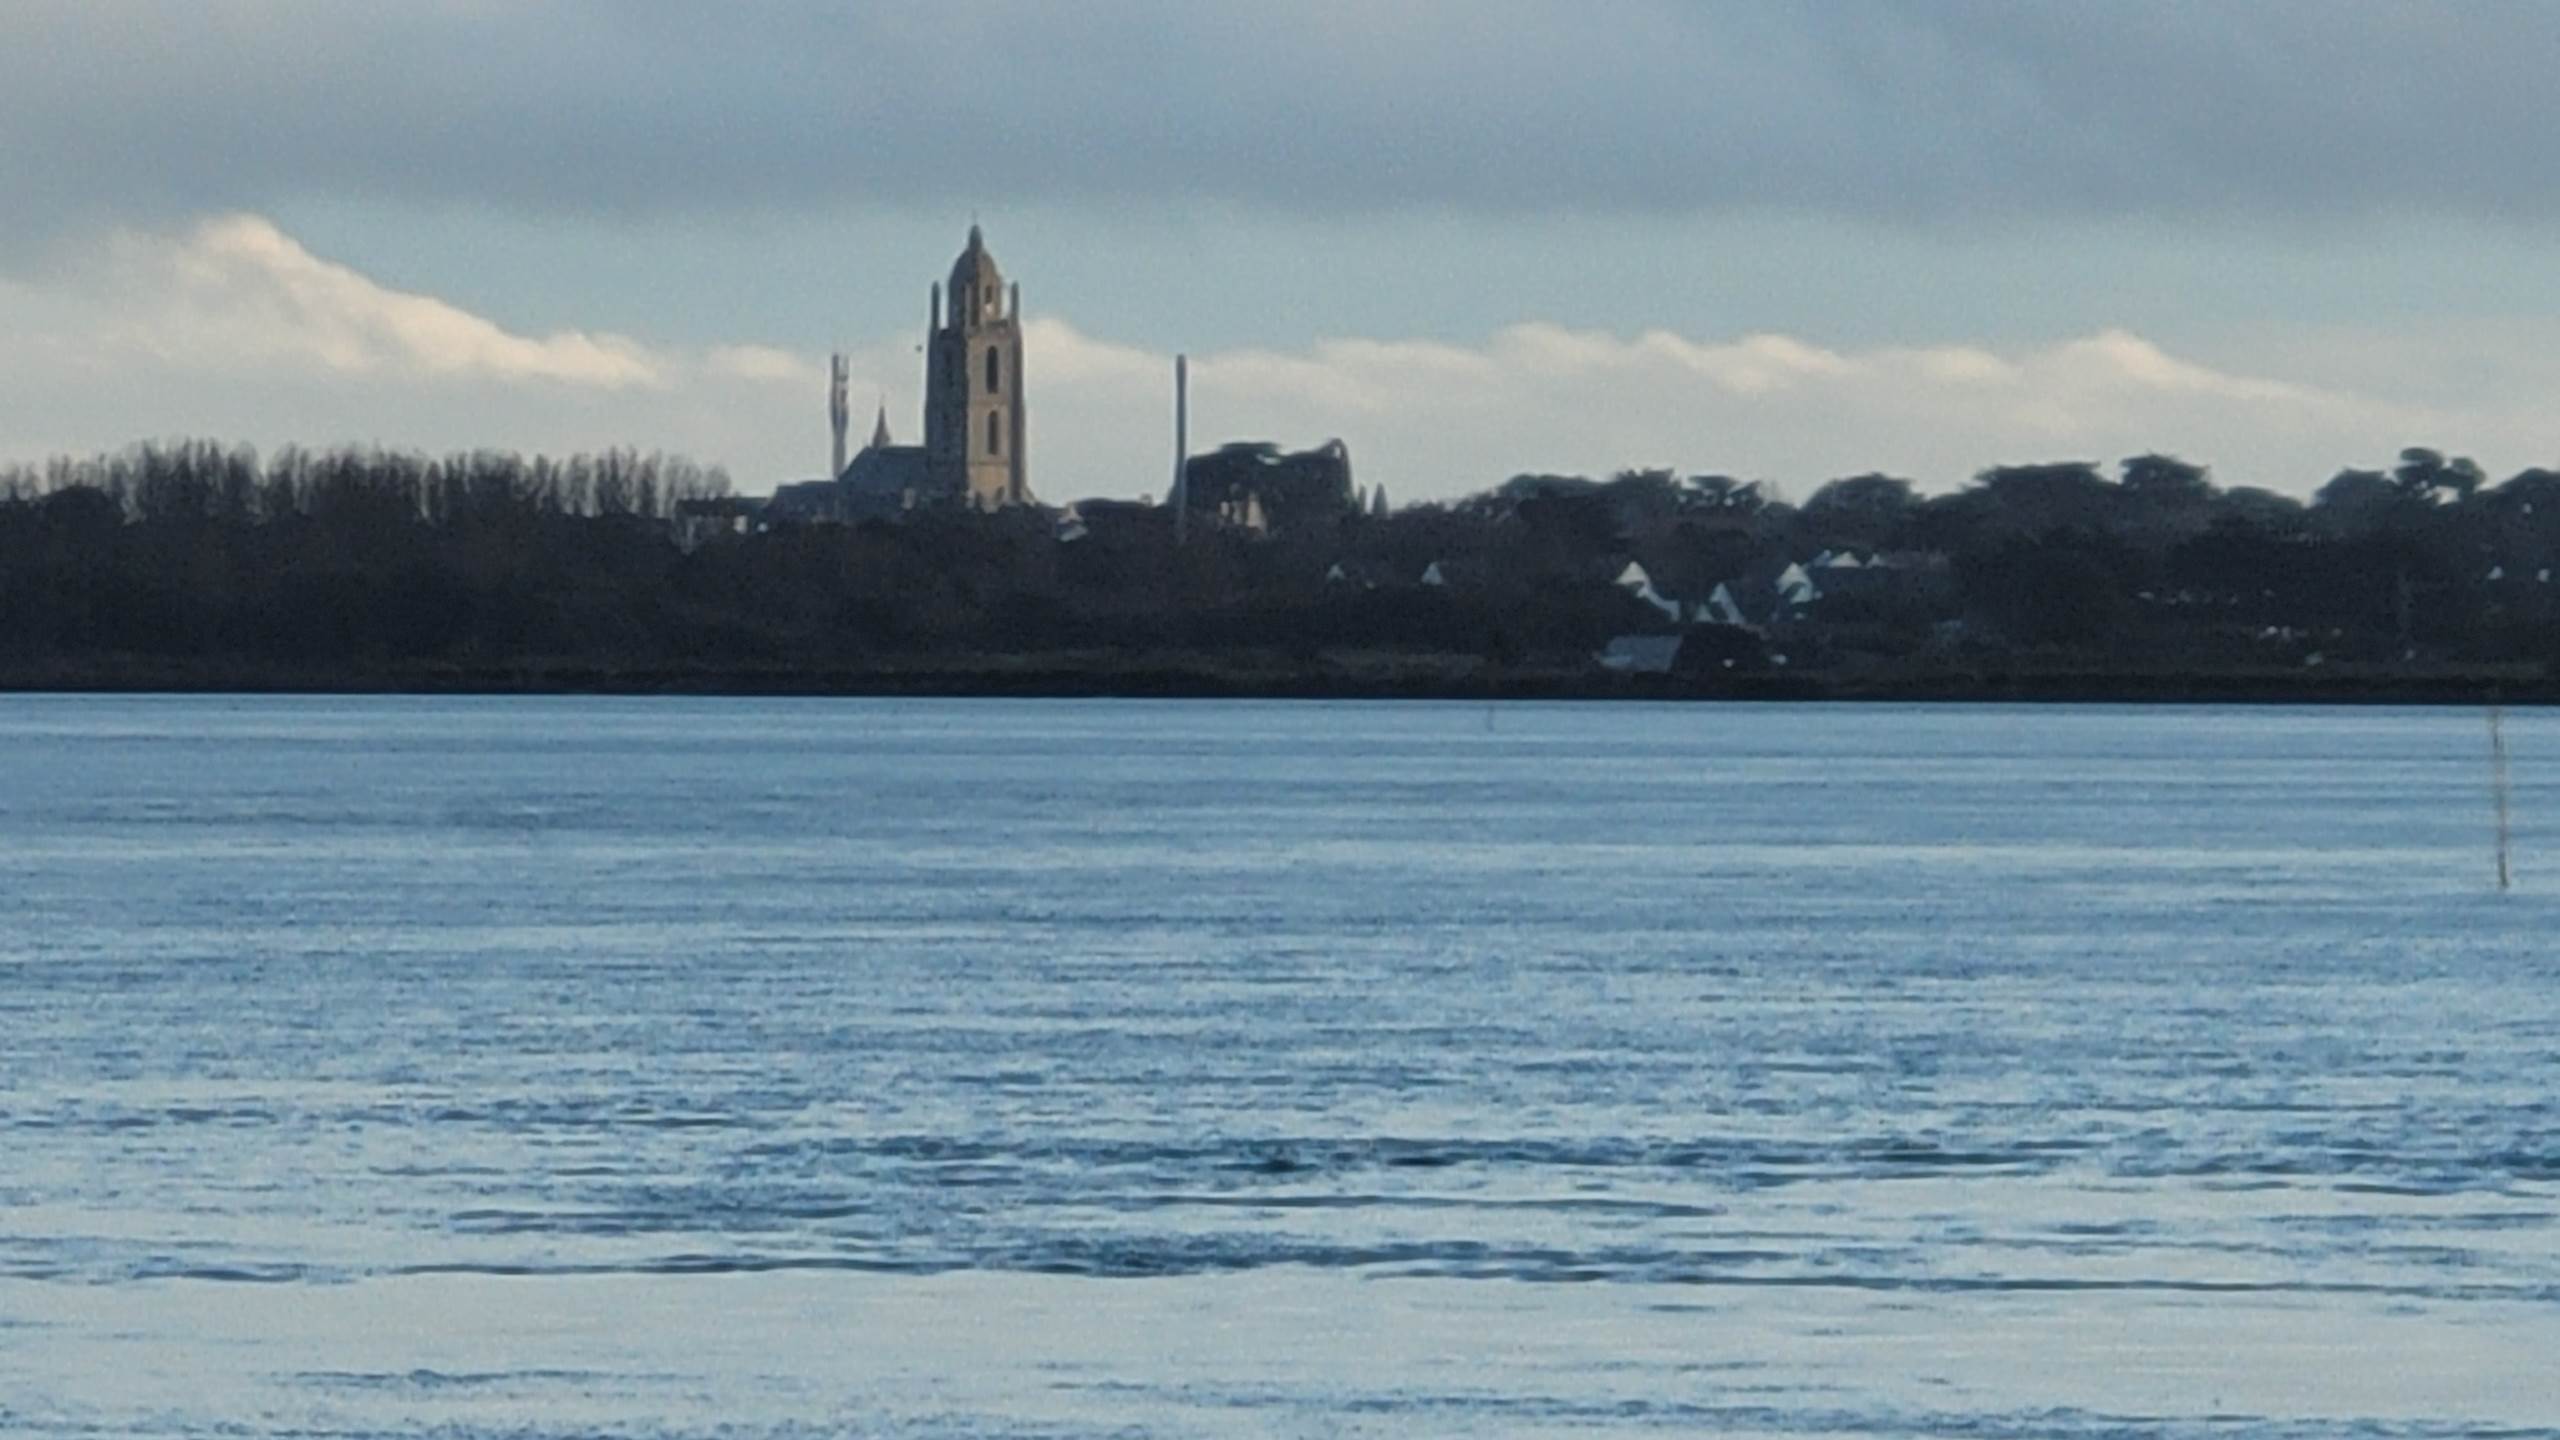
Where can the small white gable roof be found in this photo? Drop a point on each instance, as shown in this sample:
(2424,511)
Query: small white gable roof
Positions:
(1722,607)
(1431,575)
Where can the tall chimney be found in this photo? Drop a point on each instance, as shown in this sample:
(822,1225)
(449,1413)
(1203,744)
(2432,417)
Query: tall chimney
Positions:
(1181,448)
(839,413)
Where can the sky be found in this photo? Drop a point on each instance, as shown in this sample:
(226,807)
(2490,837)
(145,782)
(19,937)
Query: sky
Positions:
(1470,238)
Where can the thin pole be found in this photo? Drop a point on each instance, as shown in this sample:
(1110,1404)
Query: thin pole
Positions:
(1181,447)
(839,406)
(2498,786)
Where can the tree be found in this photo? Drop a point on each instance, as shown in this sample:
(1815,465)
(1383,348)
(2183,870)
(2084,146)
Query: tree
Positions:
(2259,509)
(2166,480)
(1866,512)
(1641,498)
(2068,589)
(2428,477)
(2067,494)
(1723,495)
(1871,499)
(2357,496)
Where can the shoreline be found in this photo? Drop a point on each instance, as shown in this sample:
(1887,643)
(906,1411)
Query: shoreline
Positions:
(1422,679)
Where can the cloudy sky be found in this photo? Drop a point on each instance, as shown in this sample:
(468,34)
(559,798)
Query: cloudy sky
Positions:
(1471,237)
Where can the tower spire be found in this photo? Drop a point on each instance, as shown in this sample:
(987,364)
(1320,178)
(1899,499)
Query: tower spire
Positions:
(974,432)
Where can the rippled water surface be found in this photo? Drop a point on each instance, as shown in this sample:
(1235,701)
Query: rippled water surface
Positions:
(653,1067)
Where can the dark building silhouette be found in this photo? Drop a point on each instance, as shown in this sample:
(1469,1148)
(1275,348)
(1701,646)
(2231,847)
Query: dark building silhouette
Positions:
(1256,486)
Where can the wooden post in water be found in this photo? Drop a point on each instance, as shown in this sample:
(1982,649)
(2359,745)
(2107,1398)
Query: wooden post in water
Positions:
(2498,785)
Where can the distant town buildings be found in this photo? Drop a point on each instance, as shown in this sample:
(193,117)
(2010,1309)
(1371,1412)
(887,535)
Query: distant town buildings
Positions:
(974,450)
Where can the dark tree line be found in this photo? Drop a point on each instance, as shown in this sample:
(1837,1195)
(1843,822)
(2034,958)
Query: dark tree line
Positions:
(196,551)
(2153,564)
(202,481)
(2426,556)
(319,562)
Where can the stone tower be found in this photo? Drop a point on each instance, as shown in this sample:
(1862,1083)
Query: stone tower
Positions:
(973,420)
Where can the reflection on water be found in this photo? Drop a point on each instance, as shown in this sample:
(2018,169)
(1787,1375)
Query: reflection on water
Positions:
(689,1067)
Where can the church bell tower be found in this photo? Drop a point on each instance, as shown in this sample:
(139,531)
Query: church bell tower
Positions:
(973,386)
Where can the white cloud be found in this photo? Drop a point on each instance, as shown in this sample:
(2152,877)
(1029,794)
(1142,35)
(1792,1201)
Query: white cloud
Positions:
(1065,356)
(1433,418)
(233,329)
(763,363)
(236,290)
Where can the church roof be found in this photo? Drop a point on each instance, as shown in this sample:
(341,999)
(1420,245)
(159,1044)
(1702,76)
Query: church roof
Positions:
(884,472)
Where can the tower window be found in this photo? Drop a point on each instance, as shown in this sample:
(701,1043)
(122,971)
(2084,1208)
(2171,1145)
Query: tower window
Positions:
(995,434)
(991,369)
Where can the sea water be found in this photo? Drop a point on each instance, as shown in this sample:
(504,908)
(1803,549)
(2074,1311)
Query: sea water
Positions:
(652,1067)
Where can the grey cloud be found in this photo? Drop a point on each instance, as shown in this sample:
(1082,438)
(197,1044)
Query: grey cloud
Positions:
(1907,110)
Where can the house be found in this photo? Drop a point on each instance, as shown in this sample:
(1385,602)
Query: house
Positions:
(1636,582)
(1640,655)
(1723,609)
(1112,519)
(1699,650)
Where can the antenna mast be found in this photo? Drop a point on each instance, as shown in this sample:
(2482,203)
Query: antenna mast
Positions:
(1181,448)
(839,413)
